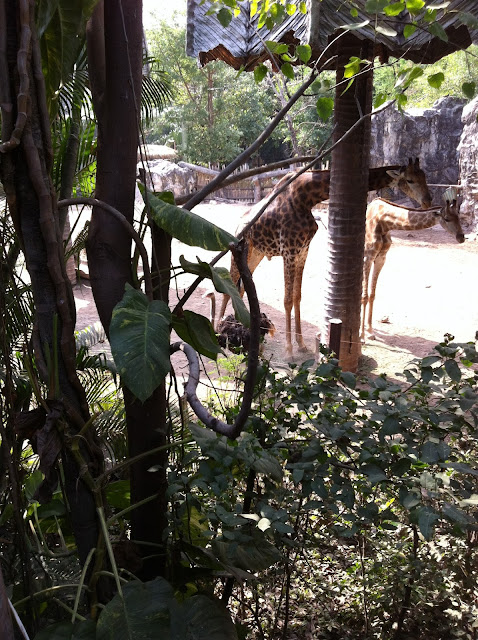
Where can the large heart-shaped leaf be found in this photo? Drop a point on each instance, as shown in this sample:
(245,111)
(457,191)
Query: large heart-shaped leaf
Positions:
(150,610)
(186,226)
(140,336)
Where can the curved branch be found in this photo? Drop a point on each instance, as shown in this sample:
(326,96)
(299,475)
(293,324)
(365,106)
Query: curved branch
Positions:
(230,430)
(94,202)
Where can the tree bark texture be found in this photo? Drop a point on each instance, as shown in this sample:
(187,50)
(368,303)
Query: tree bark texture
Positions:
(114,42)
(25,165)
(348,203)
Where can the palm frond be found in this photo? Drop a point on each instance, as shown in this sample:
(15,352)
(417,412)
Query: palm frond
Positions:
(156,90)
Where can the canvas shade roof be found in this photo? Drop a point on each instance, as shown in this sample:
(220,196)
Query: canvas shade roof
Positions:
(241,44)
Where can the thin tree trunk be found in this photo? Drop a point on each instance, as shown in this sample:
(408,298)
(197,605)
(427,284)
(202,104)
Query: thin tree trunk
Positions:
(115,63)
(348,202)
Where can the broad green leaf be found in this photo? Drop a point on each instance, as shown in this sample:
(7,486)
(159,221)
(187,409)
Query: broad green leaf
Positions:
(276,47)
(453,370)
(456,515)
(430,360)
(437,30)
(224,16)
(410,500)
(352,67)
(469,89)
(303,7)
(468,19)
(84,630)
(400,467)
(143,612)
(374,473)
(324,106)
(379,99)
(353,12)
(304,52)
(429,452)
(290,9)
(258,554)
(118,494)
(186,226)
(394,9)
(409,30)
(54,508)
(197,331)
(287,70)
(427,517)
(139,336)
(260,73)
(200,618)
(348,379)
(415,6)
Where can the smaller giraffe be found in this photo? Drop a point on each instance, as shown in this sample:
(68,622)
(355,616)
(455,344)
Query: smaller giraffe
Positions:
(287,226)
(384,216)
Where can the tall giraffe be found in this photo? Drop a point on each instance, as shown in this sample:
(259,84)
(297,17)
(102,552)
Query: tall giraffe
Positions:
(384,216)
(287,226)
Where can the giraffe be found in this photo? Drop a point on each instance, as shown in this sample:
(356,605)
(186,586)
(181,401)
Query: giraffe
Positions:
(287,226)
(384,216)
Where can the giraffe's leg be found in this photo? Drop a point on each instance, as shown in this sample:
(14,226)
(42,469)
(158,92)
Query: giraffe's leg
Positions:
(289,277)
(297,296)
(377,267)
(367,265)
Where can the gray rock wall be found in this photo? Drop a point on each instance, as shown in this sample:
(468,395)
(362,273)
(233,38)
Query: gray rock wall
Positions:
(432,135)
(168,176)
(468,156)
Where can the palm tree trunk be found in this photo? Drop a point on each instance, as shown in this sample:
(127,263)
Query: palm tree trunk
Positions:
(348,201)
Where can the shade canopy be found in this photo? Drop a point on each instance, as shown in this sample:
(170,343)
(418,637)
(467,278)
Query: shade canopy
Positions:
(241,44)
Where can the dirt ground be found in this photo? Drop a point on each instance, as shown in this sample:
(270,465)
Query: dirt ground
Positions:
(427,288)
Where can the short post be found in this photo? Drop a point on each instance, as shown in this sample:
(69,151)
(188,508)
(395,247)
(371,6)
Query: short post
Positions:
(335,334)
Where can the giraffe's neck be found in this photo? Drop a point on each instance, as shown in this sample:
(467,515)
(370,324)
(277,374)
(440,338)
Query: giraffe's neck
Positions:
(408,219)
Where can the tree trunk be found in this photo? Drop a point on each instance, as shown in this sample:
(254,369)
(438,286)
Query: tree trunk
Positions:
(348,203)
(115,63)
(25,169)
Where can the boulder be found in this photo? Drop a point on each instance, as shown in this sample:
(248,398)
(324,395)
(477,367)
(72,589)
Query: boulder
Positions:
(162,175)
(468,156)
(431,134)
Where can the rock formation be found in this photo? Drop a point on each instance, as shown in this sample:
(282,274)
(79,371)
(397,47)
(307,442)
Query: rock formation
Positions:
(468,155)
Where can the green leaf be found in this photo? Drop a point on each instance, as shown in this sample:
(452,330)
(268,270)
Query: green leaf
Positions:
(400,467)
(352,67)
(188,227)
(143,612)
(200,618)
(453,370)
(409,30)
(303,7)
(468,19)
(456,515)
(348,379)
(469,89)
(304,52)
(197,331)
(353,12)
(394,9)
(437,30)
(139,336)
(277,47)
(290,9)
(379,99)
(374,473)
(324,106)
(427,517)
(288,70)
(224,16)
(415,6)
(118,494)
(260,73)
(222,282)
(257,555)
(410,500)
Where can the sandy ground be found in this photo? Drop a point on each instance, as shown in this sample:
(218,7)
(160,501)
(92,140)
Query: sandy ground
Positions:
(427,288)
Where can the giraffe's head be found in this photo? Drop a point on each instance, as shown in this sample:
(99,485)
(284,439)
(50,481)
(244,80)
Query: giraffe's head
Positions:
(412,181)
(450,220)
